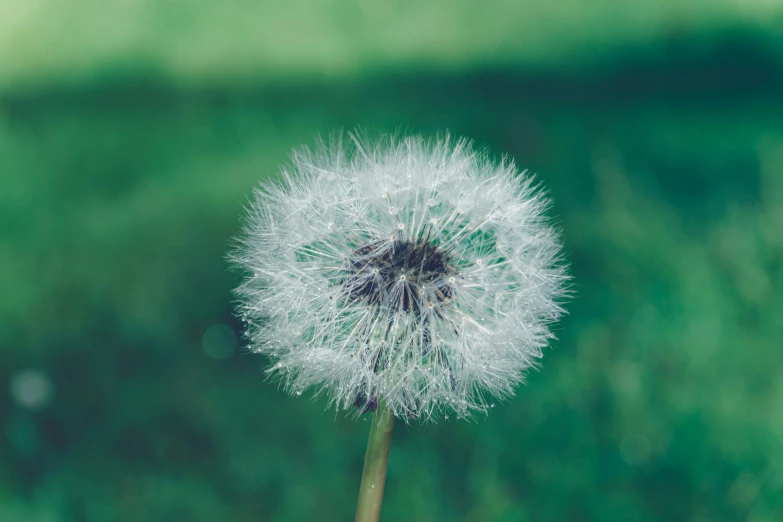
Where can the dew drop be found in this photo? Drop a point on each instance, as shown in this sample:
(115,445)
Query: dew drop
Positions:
(492,405)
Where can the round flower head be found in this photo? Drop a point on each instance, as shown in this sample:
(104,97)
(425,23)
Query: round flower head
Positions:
(413,272)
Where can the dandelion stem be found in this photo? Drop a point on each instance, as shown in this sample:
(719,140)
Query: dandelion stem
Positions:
(376,458)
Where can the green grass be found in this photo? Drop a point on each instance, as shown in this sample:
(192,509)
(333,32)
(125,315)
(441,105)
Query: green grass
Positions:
(246,41)
(132,134)
(661,401)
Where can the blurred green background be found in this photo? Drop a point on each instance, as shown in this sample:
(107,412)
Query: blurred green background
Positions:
(133,131)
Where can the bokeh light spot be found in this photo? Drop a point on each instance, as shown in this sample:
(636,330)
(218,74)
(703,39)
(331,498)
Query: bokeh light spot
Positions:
(219,341)
(31,389)
(635,450)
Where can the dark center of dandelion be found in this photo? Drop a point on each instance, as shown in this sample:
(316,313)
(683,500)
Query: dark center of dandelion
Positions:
(403,275)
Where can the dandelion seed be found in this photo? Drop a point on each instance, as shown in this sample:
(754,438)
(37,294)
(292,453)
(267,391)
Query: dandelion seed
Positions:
(409,272)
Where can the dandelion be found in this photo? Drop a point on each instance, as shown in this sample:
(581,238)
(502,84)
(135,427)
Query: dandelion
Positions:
(412,278)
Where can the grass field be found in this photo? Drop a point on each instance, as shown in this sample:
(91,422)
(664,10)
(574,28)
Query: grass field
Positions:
(245,42)
(661,400)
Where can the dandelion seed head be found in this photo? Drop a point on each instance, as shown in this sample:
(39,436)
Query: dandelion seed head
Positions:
(418,273)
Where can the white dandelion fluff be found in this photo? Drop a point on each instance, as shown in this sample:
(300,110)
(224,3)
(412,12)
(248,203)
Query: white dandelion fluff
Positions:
(413,272)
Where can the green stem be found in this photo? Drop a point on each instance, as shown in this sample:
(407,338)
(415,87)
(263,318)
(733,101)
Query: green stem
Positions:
(368,509)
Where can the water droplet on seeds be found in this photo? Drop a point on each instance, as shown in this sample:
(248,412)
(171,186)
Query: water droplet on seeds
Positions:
(492,405)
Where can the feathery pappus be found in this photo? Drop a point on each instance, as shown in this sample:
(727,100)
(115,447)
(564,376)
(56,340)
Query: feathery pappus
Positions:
(410,271)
